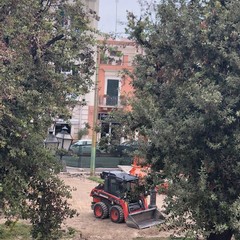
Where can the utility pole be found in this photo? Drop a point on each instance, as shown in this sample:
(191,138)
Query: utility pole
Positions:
(116,20)
(95,118)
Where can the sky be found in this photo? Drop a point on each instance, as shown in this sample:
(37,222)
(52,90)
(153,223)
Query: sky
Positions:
(113,12)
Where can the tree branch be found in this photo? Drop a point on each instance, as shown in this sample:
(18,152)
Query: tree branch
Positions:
(52,41)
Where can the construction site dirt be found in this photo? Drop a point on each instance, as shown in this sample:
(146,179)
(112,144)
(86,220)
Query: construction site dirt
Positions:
(91,228)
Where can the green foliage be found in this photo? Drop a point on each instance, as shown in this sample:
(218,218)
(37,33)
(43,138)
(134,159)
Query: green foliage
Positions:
(39,40)
(150,238)
(82,132)
(49,209)
(187,103)
(162,238)
(71,231)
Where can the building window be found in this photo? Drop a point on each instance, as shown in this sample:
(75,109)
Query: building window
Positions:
(112,92)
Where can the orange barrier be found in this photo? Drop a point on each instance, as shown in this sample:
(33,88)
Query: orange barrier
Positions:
(140,170)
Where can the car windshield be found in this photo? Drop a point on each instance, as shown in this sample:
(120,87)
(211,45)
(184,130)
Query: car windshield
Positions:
(83,142)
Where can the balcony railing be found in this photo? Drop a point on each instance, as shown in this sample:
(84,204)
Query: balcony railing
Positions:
(111,60)
(109,101)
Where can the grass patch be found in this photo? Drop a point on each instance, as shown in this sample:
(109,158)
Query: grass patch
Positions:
(71,233)
(18,231)
(96,179)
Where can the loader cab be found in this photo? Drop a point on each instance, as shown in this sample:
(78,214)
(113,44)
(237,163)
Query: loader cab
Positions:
(114,186)
(120,199)
(118,183)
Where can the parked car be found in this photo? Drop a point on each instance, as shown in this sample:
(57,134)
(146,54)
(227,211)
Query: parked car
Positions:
(83,142)
(83,147)
(125,148)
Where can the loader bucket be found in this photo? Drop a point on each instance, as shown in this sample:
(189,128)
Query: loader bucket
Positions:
(144,219)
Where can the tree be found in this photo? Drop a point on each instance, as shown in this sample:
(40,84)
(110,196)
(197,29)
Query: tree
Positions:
(187,103)
(39,41)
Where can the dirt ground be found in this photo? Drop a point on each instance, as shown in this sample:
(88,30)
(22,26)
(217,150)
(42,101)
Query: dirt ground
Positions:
(97,229)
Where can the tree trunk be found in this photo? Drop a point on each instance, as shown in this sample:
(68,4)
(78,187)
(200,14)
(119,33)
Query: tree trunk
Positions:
(227,235)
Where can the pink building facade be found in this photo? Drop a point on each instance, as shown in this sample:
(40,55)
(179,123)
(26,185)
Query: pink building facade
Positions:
(112,85)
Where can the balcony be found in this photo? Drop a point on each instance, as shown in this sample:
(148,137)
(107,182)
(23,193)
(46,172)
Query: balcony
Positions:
(111,56)
(109,102)
(115,61)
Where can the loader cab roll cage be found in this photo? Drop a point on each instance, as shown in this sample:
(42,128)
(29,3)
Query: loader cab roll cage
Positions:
(118,183)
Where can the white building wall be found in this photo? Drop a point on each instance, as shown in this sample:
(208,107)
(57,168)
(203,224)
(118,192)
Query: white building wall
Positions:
(80,113)
(93,7)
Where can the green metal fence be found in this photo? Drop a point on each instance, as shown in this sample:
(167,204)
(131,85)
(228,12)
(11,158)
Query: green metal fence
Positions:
(101,161)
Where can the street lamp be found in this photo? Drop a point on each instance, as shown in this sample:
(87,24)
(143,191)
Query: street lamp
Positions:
(51,141)
(65,141)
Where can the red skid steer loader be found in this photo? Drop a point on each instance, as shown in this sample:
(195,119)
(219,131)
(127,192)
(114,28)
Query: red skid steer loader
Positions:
(119,199)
